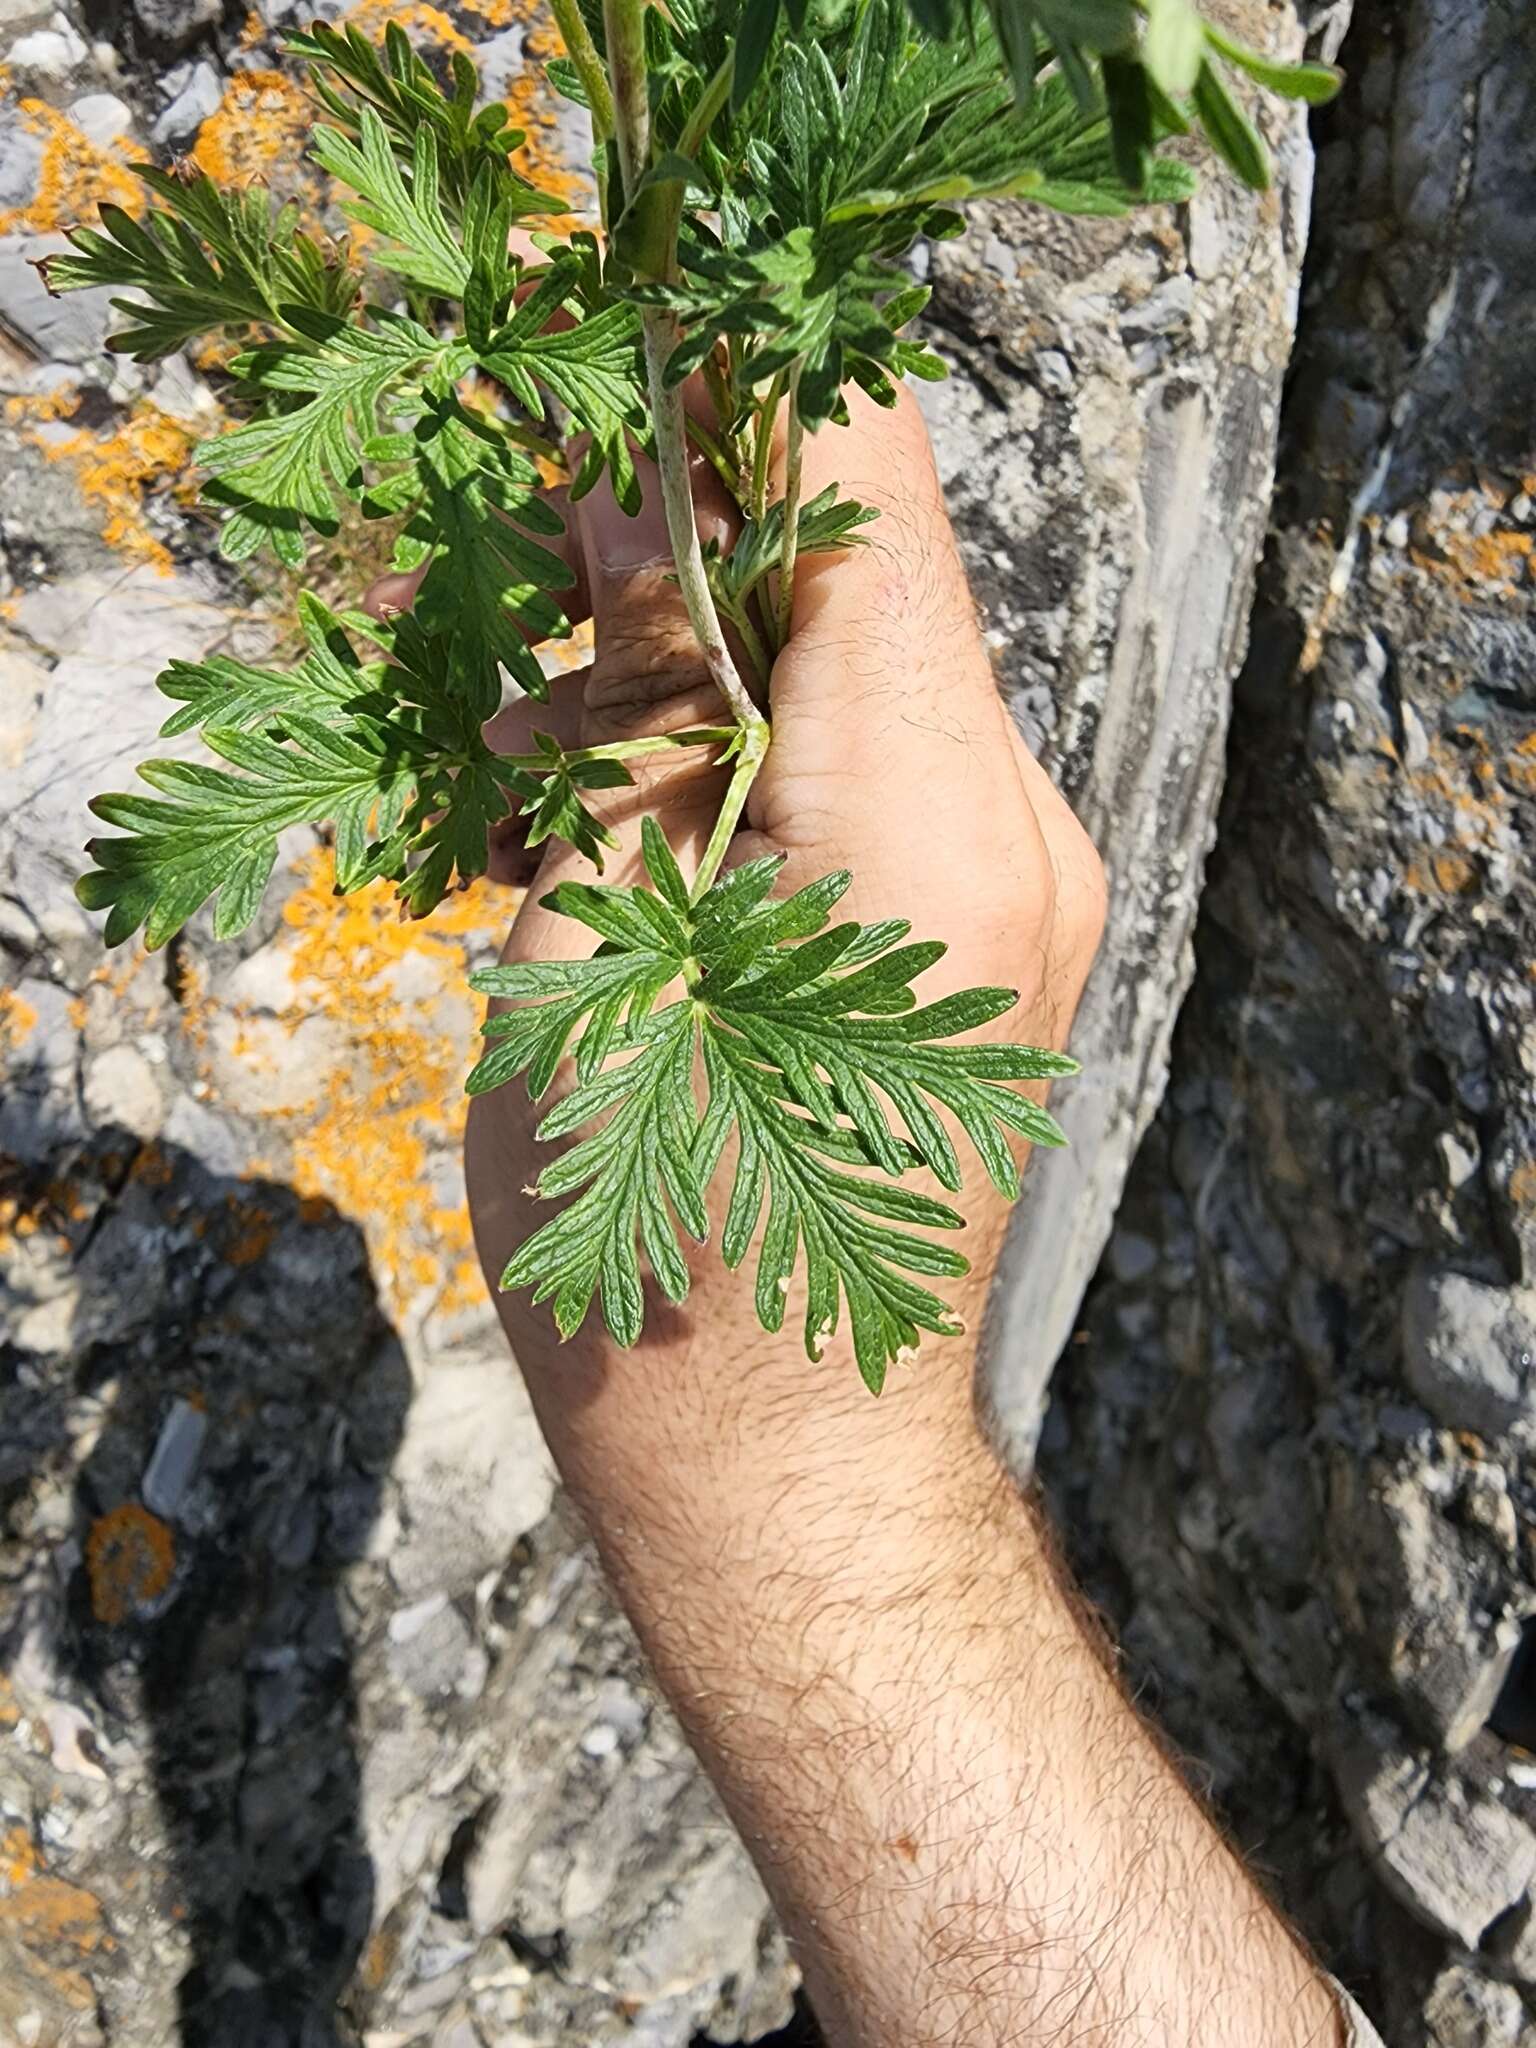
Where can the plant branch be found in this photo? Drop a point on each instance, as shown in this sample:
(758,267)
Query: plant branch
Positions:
(623,750)
(582,52)
(624,28)
(790,546)
(762,450)
(716,456)
(716,93)
(754,745)
(661,338)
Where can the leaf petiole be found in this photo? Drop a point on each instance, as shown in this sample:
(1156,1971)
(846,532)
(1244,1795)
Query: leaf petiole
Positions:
(623,750)
(754,738)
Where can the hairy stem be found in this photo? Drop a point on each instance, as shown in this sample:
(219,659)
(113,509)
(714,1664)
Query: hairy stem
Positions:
(751,640)
(790,546)
(661,337)
(582,52)
(714,453)
(754,745)
(624,29)
(624,21)
(716,93)
(626,750)
(762,448)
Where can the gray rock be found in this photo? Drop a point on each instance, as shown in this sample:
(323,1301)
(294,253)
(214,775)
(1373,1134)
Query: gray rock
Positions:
(1465,2010)
(121,1088)
(1321,1378)
(1469,1352)
(1456,1857)
(174,1464)
(51,52)
(1110,505)
(21,158)
(72,329)
(475,1474)
(102,118)
(194,101)
(173,24)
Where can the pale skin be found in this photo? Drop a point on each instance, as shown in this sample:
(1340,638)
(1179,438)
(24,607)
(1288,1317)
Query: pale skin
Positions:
(968,1833)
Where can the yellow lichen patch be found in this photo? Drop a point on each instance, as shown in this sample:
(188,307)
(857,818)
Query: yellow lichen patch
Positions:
(45,1910)
(1522,1184)
(1459,783)
(421,22)
(74,178)
(395,989)
(262,122)
(19,1857)
(120,468)
(1488,564)
(1495,563)
(129,1557)
(1446,874)
(1520,766)
(18,1019)
(531,106)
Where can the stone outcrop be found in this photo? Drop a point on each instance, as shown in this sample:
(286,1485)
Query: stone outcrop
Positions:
(317,1725)
(1292,1436)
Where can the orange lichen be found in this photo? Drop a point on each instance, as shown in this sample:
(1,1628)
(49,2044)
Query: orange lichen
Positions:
(263,121)
(1449,874)
(19,1856)
(74,178)
(367,1147)
(18,1019)
(1492,562)
(130,1555)
(1522,1184)
(255,1228)
(46,1909)
(152,1166)
(531,106)
(421,22)
(119,468)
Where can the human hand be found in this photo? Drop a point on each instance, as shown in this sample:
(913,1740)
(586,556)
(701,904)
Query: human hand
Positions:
(892,756)
(963,1827)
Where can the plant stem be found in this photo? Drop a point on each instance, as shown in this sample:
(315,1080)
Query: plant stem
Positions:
(701,120)
(626,750)
(709,447)
(661,337)
(790,546)
(750,639)
(762,449)
(754,745)
(582,52)
(624,29)
(624,22)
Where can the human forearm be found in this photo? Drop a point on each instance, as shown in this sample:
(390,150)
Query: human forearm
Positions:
(968,1833)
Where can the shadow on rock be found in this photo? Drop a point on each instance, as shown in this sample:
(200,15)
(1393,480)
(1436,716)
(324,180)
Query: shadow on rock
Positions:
(199,1401)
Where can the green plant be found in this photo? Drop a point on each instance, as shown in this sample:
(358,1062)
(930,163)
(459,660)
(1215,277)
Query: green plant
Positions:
(761,180)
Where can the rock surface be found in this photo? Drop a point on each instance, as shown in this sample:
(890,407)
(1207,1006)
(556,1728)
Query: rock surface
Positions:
(1108,449)
(317,1725)
(1291,1439)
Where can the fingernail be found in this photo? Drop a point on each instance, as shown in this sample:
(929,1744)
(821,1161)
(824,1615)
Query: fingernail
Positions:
(616,544)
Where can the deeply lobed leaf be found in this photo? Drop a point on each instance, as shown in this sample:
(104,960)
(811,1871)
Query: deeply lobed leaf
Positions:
(817,1061)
